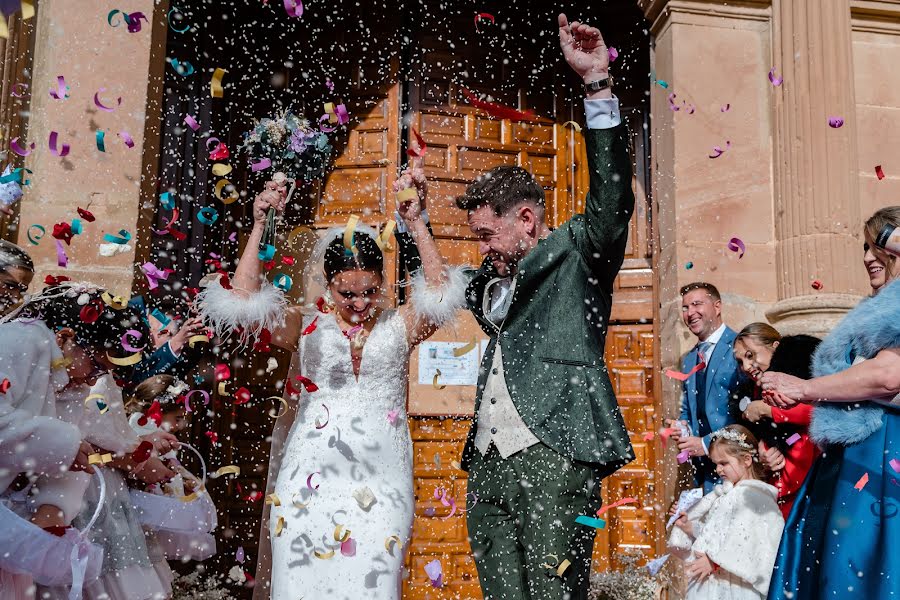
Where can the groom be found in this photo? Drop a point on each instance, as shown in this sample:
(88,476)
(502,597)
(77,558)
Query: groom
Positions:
(547,426)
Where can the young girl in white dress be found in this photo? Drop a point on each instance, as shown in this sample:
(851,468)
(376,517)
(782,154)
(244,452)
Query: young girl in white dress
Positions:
(729,539)
(344,491)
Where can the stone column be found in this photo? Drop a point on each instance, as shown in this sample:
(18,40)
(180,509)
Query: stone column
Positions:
(73,39)
(817,217)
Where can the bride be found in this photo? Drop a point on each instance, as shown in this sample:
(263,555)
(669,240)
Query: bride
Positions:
(342,507)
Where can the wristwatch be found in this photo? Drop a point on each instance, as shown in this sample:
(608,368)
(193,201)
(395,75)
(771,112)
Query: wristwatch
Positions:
(600,84)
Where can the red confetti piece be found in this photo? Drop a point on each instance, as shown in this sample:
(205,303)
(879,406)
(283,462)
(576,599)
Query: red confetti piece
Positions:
(220,152)
(308,384)
(223,372)
(621,502)
(835,122)
(287,260)
(684,376)
(142,452)
(254,496)
(862,482)
(648,437)
(89,313)
(86,215)
(497,110)
(418,152)
(737,245)
(484,16)
(213,437)
(63,231)
(322,306)
(664,435)
(311,327)
(879,172)
(55,279)
(225,282)
(4,385)
(816,284)
(242,396)
(262,344)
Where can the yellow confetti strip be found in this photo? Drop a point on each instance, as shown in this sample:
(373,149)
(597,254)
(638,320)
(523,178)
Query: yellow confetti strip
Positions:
(230,469)
(4,28)
(384,238)
(116,302)
(273,499)
(299,504)
(329,110)
(99,459)
(221,169)
(197,339)
(90,397)
(407,195)
(27,9)
(279,526)
(284,404)
(232,195)
(434,381)
(391,542)
(575,125)
(215,86)
(190,497)
(462,351)
(323,555)
(222,391)
(562,567)
(125,361)
(456,464)
(338,537)
(348,233)
(60,363)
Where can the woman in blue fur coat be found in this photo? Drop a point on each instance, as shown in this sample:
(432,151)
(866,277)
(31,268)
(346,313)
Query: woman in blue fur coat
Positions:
(841,538)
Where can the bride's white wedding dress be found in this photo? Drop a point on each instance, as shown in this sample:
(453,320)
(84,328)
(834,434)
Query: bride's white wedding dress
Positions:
(336,460)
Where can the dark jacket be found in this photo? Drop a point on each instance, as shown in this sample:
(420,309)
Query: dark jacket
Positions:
(555,330)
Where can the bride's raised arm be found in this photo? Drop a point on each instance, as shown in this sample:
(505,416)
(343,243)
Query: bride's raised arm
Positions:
(248,302)
(438,290)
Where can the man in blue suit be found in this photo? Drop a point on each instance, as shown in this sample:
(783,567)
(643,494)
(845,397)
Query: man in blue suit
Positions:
(707,393)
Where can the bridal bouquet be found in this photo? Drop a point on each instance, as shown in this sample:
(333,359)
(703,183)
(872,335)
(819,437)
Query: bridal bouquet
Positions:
(290,144)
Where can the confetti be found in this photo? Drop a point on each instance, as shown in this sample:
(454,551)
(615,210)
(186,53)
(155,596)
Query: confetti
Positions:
(348,547)
(187,399)
(689,265)
(407,195)
(215,84)
(62,90)
(220,152)
(879,173)
(101,459)
(102,106)
(220,169)
(421,147)
(18,90)
(283,282)
(125,361)
(862,482)
(671,373)
(484,17)
(391,542)
(835,122)
(435,573)
(726,108)
(683,457)
(383,239)
(123,238)
(115,302)
(590,522)
(261,165)
(207,215)
(662,84)
(737,245)
(311,327)
(463,350)
(183,68)
(349,232)
(100,139)
(613,54)
(672,105)
(323,555)
(776,81)
(273,499)
(143,452)
(327,418)
(293,8)
(191,122)
(127,345)
(497,110)
(226,470)
(239,555)
(793,439)
(279,527)
(35,239)
(154,274)
(241,396)
(4,385)
(575,125)
(364,497)
(176,10)
(232,194)
(816,284)
(309,484)
(126,138)
(719,151)
(18,149)
(895,465)
(54,150)
(621,502)
(434,382)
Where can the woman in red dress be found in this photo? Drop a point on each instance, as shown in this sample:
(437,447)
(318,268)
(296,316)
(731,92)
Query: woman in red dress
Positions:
(758,348)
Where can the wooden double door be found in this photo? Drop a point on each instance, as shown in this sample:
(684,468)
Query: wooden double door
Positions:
(394,79)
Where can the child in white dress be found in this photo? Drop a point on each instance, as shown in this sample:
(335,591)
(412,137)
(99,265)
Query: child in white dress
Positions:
(729,538)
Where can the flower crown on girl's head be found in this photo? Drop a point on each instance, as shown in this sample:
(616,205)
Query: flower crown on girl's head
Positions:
(732,436)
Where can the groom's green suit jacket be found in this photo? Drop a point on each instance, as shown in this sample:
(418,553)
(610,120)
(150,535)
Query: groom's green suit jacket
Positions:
(555,331)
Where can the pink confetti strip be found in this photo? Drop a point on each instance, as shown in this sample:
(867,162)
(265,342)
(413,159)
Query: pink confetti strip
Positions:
(154,274)
(293,8)
(102,106)
(127,345)
(16,93)
(835,122)
(726,108)
(613,54)
(392,416)
(18,149)
(61,259)
(54,149)
(323,127)
(191,122)
(895,465)
(61,91)
(793,439)
(309,481)
(126,138)
(862,482)
(329,84)
(737,245)
(348,547)
(683,457)
(211,144)
(239,555)
(776,81)
(672,374)
(441,494)
(879,172)
(621,502)
(719,151)
(265,163)
(341,111)
(674,107)
(187,399)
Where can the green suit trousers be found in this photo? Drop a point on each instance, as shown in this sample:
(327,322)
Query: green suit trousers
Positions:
(524,517)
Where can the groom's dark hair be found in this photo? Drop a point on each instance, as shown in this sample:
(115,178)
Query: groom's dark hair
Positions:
(503,188)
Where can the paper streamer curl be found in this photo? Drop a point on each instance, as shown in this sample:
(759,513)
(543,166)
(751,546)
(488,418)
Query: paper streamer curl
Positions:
(18,149)
(175,9)
(55,149)
(127,345)
(102,106)
(737,245)
(124,361)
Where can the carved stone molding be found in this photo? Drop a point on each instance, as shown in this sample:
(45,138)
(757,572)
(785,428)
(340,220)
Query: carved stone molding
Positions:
(810,315)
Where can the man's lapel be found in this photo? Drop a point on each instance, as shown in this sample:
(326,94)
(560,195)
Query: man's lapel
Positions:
(715,360)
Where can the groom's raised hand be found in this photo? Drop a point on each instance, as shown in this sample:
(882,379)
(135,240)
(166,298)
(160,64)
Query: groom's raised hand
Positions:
(586,52)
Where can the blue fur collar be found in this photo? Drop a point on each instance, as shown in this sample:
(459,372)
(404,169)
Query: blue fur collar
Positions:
(872,326)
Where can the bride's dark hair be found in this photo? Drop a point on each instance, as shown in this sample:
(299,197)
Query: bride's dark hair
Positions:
(368,257)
